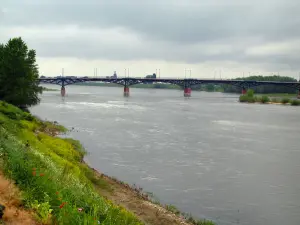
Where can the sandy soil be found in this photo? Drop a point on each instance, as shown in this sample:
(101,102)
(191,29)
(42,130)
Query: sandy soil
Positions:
(14,213)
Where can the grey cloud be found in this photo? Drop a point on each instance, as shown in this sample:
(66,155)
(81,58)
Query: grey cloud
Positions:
(164,20)
(169,29)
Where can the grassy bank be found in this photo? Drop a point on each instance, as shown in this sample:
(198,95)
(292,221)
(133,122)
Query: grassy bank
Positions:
(49,171)
(285,99)
(60,188)
(277,95)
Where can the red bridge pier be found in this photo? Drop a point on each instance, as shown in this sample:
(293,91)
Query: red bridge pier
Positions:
(126,91)
(244,91)
(187,92)
(63,91)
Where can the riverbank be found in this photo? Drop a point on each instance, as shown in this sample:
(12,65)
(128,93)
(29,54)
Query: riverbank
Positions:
(267,100)
(249,97)
(58,187)
(49,89)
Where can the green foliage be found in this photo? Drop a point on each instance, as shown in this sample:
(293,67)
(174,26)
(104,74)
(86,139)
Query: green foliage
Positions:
(248,97)
(18,74)
(49,171)
(264,99)
(173,209)
(43,210)
(275,100)
(285,100)
(295,102)
(243,98)
(193,221)
(264,88)
(250,93)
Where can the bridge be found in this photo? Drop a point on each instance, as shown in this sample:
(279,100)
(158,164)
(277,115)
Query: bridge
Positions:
(186,83)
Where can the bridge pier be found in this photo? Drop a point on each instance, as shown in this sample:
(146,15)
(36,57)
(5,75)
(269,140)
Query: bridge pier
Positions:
(126,91)
(187,92)
(244,91)
(63,91)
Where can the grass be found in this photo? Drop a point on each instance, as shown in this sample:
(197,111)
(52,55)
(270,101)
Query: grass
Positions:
(251,98)
(280,95)
(285,100)
(295,102)
(50,173)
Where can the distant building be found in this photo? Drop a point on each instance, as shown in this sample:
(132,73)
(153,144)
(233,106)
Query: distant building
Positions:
(153,76)
(113,76)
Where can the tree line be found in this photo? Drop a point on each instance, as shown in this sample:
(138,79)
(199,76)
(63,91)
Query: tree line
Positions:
(263,89)
(18,74)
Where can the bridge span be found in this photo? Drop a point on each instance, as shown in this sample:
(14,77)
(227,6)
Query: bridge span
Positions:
(186,83)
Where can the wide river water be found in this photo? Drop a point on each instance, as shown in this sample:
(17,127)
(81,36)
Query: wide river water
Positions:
(208,155)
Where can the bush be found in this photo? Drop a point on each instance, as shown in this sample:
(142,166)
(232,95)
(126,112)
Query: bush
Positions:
(285,100)
(264,99)
(275,100)
(250,93)
(295,102)
(245,98)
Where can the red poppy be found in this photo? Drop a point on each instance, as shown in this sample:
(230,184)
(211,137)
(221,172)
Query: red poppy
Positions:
(62,205)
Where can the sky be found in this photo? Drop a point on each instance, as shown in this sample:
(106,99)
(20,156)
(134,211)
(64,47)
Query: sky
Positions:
(175,38)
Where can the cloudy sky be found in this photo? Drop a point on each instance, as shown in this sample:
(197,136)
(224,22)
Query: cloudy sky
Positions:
(210,37)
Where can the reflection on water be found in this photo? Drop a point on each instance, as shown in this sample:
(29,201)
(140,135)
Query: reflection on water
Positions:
(209,155)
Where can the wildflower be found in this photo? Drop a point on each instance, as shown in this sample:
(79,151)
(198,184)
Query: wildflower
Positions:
(33,173)
(57,193)
(41,175)
(62,205)
(80,209)
(33,168)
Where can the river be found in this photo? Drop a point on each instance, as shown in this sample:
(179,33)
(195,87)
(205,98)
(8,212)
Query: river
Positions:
(208,155)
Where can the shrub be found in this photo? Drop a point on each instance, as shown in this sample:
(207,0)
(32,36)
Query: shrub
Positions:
(285,100)
(250,93)
(295,102)
(243,98)
(275,100)
(251,99)
(264,99)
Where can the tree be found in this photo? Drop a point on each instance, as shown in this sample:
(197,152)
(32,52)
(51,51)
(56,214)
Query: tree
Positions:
(264,88)
(18,74)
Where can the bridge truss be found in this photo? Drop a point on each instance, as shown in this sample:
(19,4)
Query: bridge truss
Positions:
(186,84)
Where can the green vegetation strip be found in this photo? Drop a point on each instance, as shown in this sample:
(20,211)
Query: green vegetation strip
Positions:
(251,98)
(48,170)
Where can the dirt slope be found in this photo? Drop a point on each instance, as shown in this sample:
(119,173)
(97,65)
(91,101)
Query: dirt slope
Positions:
(146,211)
(14,214)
